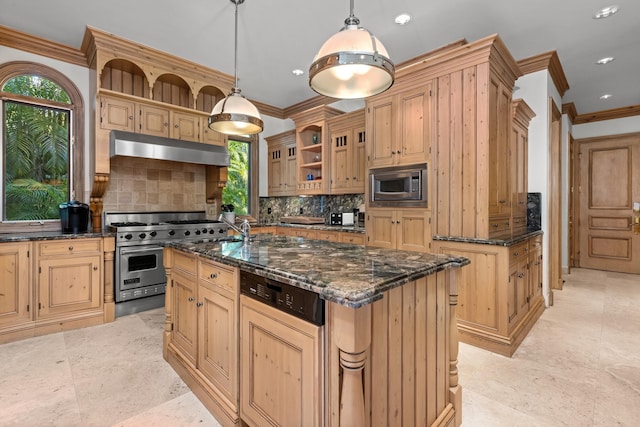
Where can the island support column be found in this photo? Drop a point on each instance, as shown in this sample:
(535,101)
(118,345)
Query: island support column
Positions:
(455,391)
(351,332)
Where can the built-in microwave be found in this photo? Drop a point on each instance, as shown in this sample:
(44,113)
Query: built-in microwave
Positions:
(399,186)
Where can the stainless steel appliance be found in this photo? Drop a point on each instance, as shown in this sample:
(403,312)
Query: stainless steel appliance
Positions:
(342,218)
(399,186)
(139,276)
(74,217)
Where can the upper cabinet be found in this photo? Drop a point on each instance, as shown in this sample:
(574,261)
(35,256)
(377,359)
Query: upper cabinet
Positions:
(139,89)
(282,164)
(400,126)
(313,150)
(347,138)
(521,115)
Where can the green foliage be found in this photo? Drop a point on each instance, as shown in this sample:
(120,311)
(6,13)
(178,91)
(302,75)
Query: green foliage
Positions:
(36,150)
(237,190)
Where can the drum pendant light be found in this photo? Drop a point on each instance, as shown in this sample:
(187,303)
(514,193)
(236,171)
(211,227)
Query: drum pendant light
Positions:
(351,64)
(235,115)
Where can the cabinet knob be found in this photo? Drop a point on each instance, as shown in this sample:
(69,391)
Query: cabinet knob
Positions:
(199,304)
(502,201)
(494,225)
(95,268)
(70,248)
(516,253)
(175,126)
(521,275)
(191,299)
(130,117)
(166,124)
(213,276)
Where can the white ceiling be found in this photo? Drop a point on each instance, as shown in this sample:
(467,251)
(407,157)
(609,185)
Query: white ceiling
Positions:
(276,36)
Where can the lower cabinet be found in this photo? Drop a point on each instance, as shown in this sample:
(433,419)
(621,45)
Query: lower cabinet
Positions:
(50,286)
(296,232)
(500,292)
(281,368)
(202,340)
(404,229)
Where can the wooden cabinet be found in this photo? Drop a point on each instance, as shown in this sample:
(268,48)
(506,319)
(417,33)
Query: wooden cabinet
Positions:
(203,337)
(282,368)
(405,229)
(69,276)
(153,120)
(185,126)
(500,292)
(328,235)
(400,127)
(347,138)
(307,233)
(353,238)
(282,164)
(117,114)
(209,136)
(313,151)
(519,147)
(15,284)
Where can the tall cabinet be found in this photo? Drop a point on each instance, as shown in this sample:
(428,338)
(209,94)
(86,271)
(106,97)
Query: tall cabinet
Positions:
(347,138)
(282,164)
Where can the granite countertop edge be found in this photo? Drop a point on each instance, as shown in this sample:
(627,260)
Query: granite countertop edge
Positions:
(321,227)
(48,235)
(340,292)
(495,242)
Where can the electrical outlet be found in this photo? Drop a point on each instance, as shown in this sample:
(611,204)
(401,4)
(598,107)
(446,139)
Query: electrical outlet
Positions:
(269,211)
(301,211)
(211,210)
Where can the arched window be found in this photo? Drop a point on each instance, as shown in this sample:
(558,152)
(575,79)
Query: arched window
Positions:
(41,143)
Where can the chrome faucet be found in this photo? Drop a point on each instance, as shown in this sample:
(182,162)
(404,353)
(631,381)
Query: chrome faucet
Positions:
(244,229)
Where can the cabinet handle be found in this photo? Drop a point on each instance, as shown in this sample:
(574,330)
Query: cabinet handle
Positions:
(95,268)
(502,201)
(516,253)
(166,124)
(521,202)
(130,117)
(175,126)
(213,276)
(521,275)
(494,225)
(506,223)
(199,304)
(191,299)
(70,248)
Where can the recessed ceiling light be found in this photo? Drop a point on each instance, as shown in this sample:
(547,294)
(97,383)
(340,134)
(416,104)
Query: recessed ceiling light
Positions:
(606,96)
(403,19)
(297,72)
(606,60)
(606,12)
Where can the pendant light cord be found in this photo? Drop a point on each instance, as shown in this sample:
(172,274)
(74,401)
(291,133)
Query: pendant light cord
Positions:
(235,56)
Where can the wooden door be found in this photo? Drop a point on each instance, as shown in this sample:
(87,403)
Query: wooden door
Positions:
(185,127)
(154,121)
(68,284)
(211,136)
(609,186)
(276,168)
(415,125)
(185,314)
(14,283)
(381,132)
(117,114)
(381,228)
(359,160)
(499,157)
(413,230)
(290,176)
(340,160)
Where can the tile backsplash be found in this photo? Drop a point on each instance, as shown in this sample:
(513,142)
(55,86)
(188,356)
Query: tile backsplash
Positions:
(273,208)
(139,184)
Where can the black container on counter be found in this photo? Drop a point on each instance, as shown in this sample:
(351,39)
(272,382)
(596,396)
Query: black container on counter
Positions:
(74,217)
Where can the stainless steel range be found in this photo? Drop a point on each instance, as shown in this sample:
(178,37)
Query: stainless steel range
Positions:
(140,279)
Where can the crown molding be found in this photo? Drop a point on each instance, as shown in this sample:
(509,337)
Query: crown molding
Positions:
(614,113)
(570,110)
(26,42)
(547,61)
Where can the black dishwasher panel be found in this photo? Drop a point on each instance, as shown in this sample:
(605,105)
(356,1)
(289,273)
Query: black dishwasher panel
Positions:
(298,302)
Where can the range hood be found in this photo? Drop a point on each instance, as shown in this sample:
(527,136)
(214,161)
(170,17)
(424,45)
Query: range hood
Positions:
(155,147)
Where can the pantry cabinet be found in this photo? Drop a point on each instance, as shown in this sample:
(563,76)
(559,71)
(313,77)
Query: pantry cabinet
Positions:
(400,126)
(348,153)
(282,164)
(500,292)
(404,229)
(202,336)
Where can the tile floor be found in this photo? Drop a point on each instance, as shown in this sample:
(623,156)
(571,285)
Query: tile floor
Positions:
(579,366)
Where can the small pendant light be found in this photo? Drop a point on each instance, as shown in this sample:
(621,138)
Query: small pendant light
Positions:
(351,64)
(235,114)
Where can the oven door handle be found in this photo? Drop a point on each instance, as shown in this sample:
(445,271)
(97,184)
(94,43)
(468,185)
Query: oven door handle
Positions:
(129,250)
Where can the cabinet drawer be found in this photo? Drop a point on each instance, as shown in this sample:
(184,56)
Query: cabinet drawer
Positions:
(69,246)
(499,226)
(331,236)
(353,238)
(184,262)
(218,275)
(518,252)
(535,243)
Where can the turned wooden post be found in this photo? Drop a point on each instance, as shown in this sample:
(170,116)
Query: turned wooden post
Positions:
(109,304)
(351,331)
(167,258)
(455,391)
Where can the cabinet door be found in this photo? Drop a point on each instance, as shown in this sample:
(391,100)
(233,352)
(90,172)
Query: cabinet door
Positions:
(519,153)
(15,271)
(185,314)
(211,136)
(535,269)
(381,228)
(281,368)
(413,230)
(499,156)
(415,125)
(185,127)
(154,120)
(353,238)
(330,236)
(358,160)
(117,114)
(218,340)
(276,170)
(381,132)
(290,173)
(68,284)
(341,160)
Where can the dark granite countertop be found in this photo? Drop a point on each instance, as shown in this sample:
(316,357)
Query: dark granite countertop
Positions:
(47,235)
(497,242)
(351,275)
(323,227)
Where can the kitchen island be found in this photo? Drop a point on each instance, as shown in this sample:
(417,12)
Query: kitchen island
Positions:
(386,355)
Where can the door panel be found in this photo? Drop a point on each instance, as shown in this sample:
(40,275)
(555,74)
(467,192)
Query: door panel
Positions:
(609,184)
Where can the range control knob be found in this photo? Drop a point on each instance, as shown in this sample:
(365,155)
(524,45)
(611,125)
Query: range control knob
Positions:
(221,231)
(128,236)
(172,232)
(142,235)
(187,233)
(197,232)
(212,231)
(204,231)
(153,234)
